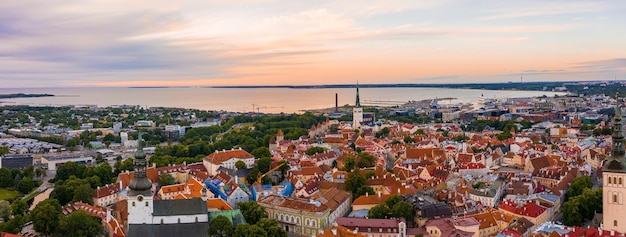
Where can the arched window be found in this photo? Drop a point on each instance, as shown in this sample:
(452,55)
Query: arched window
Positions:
(307,222)
(196,219)
(292,220)
(146,204)
(614,198)
(609,180)
(620,180)
(615,223)
(313,224)
(614,180)
(161,220)
(133,204)
(178,220)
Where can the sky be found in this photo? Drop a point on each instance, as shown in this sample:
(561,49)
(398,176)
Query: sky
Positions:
(78,43)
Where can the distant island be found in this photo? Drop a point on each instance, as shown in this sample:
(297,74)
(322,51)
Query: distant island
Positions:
(22,95)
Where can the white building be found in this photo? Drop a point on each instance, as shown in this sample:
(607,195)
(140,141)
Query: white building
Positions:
(228,159)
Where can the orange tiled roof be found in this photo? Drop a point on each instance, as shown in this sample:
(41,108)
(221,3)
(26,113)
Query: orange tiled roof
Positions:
(218,203)
(220,156)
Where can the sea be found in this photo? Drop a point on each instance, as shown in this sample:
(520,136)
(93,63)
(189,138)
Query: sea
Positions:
(264,100)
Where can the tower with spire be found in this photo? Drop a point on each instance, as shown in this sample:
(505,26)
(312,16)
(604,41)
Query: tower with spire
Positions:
(613,178)
(140,194)
(357,111)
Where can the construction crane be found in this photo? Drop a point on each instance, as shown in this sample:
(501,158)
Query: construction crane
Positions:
(260,178)
(258,107)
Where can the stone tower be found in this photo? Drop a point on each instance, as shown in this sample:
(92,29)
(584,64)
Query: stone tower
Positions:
(357,111)
(613,177)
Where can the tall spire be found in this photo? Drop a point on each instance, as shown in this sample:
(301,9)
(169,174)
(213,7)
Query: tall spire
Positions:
(618,135)
(358,101)
(140,184)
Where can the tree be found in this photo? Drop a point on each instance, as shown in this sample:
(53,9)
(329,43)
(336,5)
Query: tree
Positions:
(221,226)
(252,211)
(19,207)
(349,164)
(403,209)
(264,164)
(5,209)
(6,178)
(271,227)
(46,216)
(366,160)
(380,211)
(354,181)
(579,184)
(247,230)
(571,213)
(369,174)
(261,152)
(314,150)
(393,200)
(4,150)
(363,190)
(39,172)
(83,193)
(252,175)
(79,223)
(166,179)
(25,185)
(240,165)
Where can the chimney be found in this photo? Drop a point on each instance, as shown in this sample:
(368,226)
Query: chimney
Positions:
(336,103)
(379,194)
(367,194)
(334,230)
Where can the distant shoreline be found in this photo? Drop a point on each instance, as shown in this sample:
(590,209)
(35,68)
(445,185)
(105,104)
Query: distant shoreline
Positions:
(22,95)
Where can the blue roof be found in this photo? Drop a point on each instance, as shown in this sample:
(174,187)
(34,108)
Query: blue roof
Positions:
(359,213)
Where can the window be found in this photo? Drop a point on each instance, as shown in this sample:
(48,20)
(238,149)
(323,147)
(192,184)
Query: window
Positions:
(307,221)
(614,180)
(133,204)
(146,204)
(313,223)
(620,180)
(609,180)
(615,223)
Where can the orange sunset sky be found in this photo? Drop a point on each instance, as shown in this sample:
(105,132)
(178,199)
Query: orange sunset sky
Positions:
(279,42)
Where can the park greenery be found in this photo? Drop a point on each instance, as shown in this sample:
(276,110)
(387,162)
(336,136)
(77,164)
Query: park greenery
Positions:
(393,207)
(582,202)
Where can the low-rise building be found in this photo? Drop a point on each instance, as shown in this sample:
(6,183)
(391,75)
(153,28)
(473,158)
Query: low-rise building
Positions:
(374,227)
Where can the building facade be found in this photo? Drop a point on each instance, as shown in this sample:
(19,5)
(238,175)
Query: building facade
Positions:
(613,178)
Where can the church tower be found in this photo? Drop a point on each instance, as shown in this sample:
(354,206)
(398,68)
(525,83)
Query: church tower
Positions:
(357,111)
(613,177)
(140,194)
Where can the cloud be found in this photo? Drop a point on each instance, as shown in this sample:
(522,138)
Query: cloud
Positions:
(602,65)
(533,9)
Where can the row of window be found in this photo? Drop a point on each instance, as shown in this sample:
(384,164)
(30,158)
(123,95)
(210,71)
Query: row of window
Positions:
(146,204)
(615,180)
(287,218)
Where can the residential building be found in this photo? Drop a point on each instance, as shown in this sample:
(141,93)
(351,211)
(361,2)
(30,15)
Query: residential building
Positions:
(374,227)
(227,158)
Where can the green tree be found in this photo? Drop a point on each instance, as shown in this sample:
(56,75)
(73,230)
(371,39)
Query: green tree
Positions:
(252,211)
(240,165)
(247,230)
(252,175)
(83,193)
(5,209)
(579,184)
(349,164)
(364,190)
(271,227)
(393,200)
(366,160)
(19,207)
(314,150)
(354,181)
(6,178)
(221,226)
(571,213)
(380,211)
(166,179)
(79,224)
(261,152)
(46,216)
(264,164)
(4,150)
(403,209)
(25,185)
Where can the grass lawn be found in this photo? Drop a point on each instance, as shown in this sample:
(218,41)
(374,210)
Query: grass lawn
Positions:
(7,194)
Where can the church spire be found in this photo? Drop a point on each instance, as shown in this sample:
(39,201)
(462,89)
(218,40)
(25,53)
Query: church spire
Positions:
(358,101)
(140,184)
